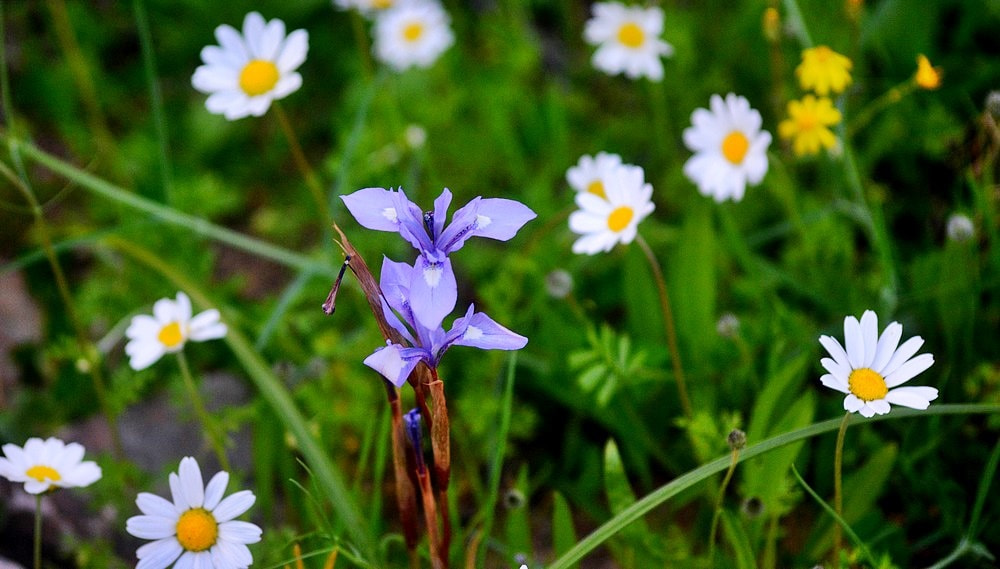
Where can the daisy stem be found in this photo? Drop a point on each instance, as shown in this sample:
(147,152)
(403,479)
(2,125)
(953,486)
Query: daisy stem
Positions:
(668,323)
(735,459)
(838,496)
(206,420)
(303,165)
(38,531)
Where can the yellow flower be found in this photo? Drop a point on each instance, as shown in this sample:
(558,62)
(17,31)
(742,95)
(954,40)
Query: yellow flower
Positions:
(807,124)
(824,70)
(927,77)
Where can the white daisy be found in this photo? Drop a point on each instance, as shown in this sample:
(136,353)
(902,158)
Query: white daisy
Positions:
(586,176)
(730,148)
(872,367)
(606,222)
(47,465)
(198,528)
(249,71)
(412,34)
(629,40)
(369,7)
(168,329)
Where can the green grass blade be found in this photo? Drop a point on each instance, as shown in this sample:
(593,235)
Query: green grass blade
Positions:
(198,225)
(489,508)
(983,490)
(705,471)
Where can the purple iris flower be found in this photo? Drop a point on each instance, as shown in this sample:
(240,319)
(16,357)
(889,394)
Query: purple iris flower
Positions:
(433,280)
(395,362)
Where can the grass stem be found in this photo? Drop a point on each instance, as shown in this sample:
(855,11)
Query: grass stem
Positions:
(37,549)
(735,459)
(668,324)
(315,188)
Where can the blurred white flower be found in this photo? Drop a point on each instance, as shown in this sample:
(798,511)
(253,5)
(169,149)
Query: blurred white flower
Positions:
(415,136)
(871,368)
(196,529)
(413,34)
(244,73)
(46,465)
(606,222)
(960,227)
(168,329)
(370,7)
(628,40)
(586,176)
(559,283)
(730,148)
(728,325)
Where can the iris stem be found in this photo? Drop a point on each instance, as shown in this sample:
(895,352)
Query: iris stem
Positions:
(38,531)
(718,505)
(211,428)
(315,188)
(838,494)
(668,323)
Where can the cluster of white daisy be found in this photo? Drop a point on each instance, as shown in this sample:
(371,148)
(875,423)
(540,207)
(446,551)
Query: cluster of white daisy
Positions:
(252,68)
(613,198)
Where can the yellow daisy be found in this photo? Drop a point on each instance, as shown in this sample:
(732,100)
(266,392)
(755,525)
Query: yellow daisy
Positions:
(824,71)
(927,77)
(807,124)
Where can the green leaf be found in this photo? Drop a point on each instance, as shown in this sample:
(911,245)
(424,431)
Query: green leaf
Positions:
(518,523)
(563,532)
(738,539)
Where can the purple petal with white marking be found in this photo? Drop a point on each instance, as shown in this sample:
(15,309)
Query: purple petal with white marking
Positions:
(500,219)
(389,362)
(484,333)
(433,291)
(374,208)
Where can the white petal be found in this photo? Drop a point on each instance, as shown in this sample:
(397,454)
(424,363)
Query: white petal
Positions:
(215,489)
(887,345)
(192,486)
(912,397)
(293,52)
(908,370)
(151,527)
(854,342)
(880,406)
(234,505)
(902,354)
(852,403)
(866,411)
(869,336)
(158,554)
(142,359)
(836,350)
(153,505)
(833,383)
(239,532)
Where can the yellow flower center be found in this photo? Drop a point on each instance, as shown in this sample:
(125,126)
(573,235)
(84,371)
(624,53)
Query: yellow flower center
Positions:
(197,530)
(42,473)
(619,218)
(867,384)
(631,35)
(413,31)
(258,77)
(170,335)
(381,4)
(735,146)
(597,188)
